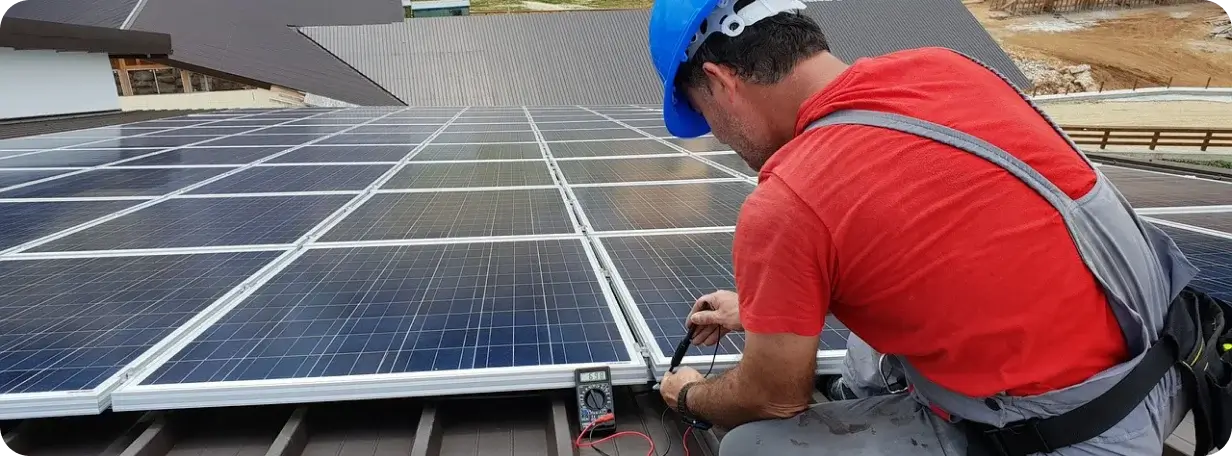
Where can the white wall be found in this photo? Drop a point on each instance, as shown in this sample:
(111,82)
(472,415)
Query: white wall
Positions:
(231,99)
(44,83)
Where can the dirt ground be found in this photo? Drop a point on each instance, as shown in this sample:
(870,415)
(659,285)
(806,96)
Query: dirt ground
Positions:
(1146,46)
(1143,113)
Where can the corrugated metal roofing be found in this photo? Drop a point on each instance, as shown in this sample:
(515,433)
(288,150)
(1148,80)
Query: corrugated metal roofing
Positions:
(96,13)
(600,57)
(592,57)
(251,38)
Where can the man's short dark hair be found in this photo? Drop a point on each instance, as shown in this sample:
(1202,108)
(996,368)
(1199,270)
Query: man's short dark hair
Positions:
(763,53)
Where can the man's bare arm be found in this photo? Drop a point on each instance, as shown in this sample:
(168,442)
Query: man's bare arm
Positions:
(773,380)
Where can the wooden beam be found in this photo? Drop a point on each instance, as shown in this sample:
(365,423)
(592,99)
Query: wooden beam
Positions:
(186,80)
(126,82)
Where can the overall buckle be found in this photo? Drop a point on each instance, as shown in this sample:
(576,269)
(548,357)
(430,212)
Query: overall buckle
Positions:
(1018,439)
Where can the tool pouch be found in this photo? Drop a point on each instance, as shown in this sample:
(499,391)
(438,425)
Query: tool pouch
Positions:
(1198,324)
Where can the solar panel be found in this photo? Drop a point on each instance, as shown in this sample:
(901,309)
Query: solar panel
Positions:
(410,310)
(387,138)
(642,124)
(144,141)
(1218,221)
(15,177)
(665,274)
(703,144)
(24,222)
(452,175)
(327,154)
(269,179)
(70,324)
(1212,255)
(734,162)
(203,131)
(590,134)
(57,158)
(478,152)
(245,123)
(174,123)
(207,156)
(117,182)
(206,222)
(637,169)
(455,214)
(493,118)
(613,148)
(662,132)
(261,140)
(327,121)
(1147,189)
(643,207)
(466,138)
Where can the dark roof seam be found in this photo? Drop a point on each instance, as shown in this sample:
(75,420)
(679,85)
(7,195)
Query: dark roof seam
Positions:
(132,15)
(348,65)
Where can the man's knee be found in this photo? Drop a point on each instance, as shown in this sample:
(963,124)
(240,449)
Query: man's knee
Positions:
(747,439)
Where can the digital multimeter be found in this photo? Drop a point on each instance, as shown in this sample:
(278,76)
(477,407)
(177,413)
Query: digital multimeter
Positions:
(594,395)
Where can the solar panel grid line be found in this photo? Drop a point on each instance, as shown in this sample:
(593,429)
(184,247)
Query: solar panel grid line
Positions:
(574,236)
(659,205)
(640,138)
(169,166)
(266,194)
(580,223)
(317,164)
(62,199)
(726,169)
(664,231)
(121,253)
(104,165)
(121,213)
(1183,210)
(714,152)
(617,157)
(147,393)
(46,168)
(662,182)
(386,191)
(1184,226)
(495,160)
(663,141)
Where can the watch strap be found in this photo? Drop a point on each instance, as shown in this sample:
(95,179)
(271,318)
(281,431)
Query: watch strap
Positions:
(682,401)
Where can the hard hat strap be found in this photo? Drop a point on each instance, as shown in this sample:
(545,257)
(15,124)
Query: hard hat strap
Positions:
(726,20)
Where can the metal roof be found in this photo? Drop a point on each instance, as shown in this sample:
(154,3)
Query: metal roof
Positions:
(589,57)
(20,33)
(600,57)
(253,40)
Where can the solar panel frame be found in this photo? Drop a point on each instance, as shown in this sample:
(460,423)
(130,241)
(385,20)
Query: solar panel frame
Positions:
(134,395)
(640,169)
(829,361)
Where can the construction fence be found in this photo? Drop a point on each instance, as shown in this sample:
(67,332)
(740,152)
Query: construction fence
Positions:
(1062,6)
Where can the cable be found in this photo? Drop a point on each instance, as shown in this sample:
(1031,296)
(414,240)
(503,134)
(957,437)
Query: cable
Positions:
(590,436)
(685,439)
(605,418)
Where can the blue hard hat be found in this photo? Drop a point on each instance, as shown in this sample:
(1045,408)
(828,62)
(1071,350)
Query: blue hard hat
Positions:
(673,24)
(675,32)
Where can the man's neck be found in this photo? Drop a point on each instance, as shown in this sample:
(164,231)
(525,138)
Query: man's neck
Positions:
(783,100)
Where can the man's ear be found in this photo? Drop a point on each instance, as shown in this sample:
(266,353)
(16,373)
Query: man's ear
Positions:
(720,78)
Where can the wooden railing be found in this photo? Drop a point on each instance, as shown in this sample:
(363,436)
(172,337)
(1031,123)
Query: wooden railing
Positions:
(1152,137)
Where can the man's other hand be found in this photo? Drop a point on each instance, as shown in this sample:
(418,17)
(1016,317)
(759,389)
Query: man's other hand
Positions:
(673,382)
(715,315)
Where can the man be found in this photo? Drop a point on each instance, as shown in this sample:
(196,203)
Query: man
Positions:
(920,199)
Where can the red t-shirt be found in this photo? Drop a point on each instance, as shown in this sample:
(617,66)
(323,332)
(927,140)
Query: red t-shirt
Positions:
(922,249)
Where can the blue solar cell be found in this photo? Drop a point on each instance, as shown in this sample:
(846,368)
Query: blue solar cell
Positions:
(68,325)
(455,214)
(326,154)
(117,182)
(666,274)
(704,144)
(206,222)
(1155,189)
(734,162)
(204,131)
(643,207)
(296,179)
(570,135)
(637,170)
(62,158)
(8,178)
(258,139)
(506,137)
(1211,254)
(144,141)
(479,152)
(207,156)
(24,222)
(319,130)
(410,309)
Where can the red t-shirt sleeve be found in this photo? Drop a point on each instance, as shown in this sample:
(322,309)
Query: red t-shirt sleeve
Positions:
(782,256)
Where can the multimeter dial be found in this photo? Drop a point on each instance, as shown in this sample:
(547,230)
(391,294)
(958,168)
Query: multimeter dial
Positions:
(595,400)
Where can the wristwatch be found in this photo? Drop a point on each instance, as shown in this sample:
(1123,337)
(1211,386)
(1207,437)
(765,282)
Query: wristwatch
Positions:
(682,407)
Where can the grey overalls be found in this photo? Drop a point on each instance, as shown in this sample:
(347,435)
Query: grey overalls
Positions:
(1141,271)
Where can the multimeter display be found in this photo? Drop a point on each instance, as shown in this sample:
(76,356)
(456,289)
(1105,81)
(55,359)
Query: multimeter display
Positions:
(592,376)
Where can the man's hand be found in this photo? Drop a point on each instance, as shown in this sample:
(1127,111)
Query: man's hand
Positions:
(715,315)
(672,383)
